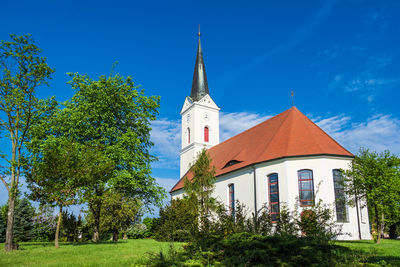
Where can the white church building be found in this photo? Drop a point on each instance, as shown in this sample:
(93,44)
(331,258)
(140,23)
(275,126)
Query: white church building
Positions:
(280,161)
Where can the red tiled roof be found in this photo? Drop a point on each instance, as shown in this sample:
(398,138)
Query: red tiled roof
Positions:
(288,134)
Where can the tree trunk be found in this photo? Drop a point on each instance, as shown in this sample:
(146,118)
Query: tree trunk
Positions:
(9,246)
(115,236)
(392,231)
(96,216)
(378,226)
(58,228)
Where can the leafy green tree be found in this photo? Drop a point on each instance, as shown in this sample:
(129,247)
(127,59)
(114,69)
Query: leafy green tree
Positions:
(113,115)
(55,174)
(201,187)
(375,178)
(22,71)
(118,213)
(24,214)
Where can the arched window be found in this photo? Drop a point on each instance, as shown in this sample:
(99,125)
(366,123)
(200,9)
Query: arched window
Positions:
(231,189)
(273,188)
(340,198)
(206,134)
(188,135)
(306,187)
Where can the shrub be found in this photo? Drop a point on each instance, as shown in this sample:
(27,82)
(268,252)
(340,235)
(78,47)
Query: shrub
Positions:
(177,222)
(137,231)
(149,226)
(44,227)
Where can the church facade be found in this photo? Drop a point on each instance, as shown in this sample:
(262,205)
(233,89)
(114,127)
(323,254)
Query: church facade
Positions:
(285,160)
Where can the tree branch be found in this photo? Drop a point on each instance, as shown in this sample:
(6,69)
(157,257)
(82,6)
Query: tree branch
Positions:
(5,184)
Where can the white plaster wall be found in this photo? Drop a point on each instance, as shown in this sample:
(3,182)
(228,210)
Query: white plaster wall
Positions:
(322,167)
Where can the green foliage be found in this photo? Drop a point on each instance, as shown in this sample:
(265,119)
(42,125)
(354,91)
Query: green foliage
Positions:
(149,223)
(119,116)
(112,116)
(376,178)
(44,224)
(118,213)
(71,227)
(3,223)
(137,231)
(178,221)
(200,189)
(23,220)
(55,171)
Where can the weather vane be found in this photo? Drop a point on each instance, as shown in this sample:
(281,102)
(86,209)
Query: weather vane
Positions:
(292,96)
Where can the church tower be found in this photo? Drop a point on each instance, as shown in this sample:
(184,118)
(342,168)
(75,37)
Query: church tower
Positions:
(200,117)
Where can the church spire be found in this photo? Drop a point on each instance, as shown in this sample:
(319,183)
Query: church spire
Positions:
(199,84)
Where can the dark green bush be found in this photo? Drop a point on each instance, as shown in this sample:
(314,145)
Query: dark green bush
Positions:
(177,222)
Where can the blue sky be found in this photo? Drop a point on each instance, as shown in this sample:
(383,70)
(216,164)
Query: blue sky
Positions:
(341,58)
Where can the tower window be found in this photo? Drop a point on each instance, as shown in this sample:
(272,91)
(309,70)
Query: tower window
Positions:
(306,187)
(231,188)
(206,134)
(340,200)
(188,135)
(273,188)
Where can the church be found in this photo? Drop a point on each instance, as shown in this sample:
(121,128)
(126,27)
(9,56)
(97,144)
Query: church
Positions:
(281,161)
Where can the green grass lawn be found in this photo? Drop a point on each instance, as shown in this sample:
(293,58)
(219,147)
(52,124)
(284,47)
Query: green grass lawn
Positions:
(388,250)
(123,253)
(137,252)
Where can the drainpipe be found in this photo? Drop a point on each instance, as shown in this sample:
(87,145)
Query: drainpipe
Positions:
(255,190)
(358,211)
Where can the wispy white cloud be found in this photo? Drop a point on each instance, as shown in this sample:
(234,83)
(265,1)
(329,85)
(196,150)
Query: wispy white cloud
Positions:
(368,83)
(166,135)
(236,122)
(378,133)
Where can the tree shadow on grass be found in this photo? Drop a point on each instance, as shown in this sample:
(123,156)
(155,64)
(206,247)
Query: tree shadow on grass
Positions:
(51,244)
(393,260)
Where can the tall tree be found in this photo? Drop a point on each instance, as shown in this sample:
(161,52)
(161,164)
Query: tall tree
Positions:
(375,178)
(202,186)
(22,71)
(114,116)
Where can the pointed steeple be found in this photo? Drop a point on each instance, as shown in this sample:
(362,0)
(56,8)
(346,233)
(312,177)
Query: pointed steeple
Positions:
(199,84)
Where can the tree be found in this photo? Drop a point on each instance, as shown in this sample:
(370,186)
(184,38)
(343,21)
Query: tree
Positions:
(375,178)
(22,72)
(23,227)
(55,174)
(113,116)
(202,186)
(118,213)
